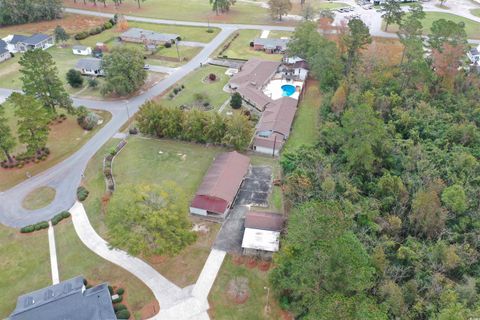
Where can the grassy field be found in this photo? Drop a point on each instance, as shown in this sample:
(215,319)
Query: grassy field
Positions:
(39,198)
(317,5)
(240,47)
(306,120)
(24,266)
(191,10)
(222,308)
(279,34)
(471,27)
(475,12)
(76,259)
(64,139)
(194,84)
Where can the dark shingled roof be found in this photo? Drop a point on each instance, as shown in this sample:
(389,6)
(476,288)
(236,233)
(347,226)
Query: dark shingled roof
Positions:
(3,50)
(89,63)
(3,44)
(35,39)
(18,38)
(67,300)
(264,221)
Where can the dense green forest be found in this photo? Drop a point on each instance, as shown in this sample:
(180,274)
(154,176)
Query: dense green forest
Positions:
(25,11)
(385,207)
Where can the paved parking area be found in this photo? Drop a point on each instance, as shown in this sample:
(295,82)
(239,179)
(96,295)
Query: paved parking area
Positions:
(254,191)
(256,187)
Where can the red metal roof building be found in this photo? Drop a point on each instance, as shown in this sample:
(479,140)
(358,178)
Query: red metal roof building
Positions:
(220,185)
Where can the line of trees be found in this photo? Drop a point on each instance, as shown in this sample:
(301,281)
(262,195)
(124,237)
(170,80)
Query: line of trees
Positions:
(385,212)
(195,125)
(24,11)
(117,3)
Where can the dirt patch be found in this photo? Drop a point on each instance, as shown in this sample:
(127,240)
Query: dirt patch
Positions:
(238,290)
(71,23)
(149,310)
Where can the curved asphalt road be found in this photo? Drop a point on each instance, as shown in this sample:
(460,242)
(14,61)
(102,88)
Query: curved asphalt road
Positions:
(66,175)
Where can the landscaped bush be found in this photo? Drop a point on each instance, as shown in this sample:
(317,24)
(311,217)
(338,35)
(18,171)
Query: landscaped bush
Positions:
(74,78)
(236,101)
(108,25)
(82,35)
(117,300)
(212,77)
(110,289)
(41,225)
(227,45)
(123,314)
(59,217)
(88,121)
(119,307)
(120,291)
(92,83)
(27,229)
(82,193)
(133,130)
(167,45)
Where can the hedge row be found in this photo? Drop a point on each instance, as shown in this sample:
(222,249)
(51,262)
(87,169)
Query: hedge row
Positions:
(44,224)
(96,30)
(82,193)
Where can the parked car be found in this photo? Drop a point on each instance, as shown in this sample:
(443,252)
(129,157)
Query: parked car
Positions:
(146,67)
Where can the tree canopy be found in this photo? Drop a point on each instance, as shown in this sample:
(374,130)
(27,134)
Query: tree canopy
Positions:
(25,11)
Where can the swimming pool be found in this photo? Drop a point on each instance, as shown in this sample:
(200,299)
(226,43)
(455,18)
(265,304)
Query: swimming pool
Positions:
(288,90)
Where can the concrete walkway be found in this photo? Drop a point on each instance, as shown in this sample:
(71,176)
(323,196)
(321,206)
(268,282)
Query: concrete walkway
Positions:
(175,303)
(53,254)
(265,34)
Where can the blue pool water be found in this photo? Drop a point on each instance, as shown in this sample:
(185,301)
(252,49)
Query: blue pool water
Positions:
(288,90)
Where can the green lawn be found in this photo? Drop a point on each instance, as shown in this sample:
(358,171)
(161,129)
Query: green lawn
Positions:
(322,5)
(194,84)
(240,47)
(64,139)
(222,308)
(39,198)
(76,259)
(471,27)
(24,265)
(305,127)
(191,10)
(280,34)
(475,12)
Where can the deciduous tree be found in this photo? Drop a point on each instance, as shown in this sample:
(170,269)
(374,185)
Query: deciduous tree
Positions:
(279,8)
(239,131)
(7,141)
(221,5)
(124,71)
(149,219)
(60,34)
(357,37)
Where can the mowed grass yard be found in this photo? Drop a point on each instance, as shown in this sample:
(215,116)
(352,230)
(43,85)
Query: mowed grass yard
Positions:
(305,126)
(240,47)
(223,308)
(24,266)
(64,139)
(141,162)
(475,12)
(317,5)
(195,84)
(472,28)
(190,10)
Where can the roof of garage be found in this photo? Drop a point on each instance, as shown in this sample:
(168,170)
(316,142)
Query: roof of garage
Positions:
(221,183)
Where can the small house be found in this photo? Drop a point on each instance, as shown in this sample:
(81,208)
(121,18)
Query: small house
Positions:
(82,50)
(270,45)
(4,53)
(23,43)
(90,66)
(474,55)
(262,233)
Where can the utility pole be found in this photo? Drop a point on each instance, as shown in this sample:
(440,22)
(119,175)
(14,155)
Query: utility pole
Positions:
(176,45)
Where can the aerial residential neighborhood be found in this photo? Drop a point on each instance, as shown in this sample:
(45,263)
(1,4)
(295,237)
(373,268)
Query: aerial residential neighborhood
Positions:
(220,159)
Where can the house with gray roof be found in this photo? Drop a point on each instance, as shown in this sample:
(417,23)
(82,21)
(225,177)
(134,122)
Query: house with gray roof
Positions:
(270,45)
(90,66)
(69,299)
(148,37)
(37,41)
(4,53)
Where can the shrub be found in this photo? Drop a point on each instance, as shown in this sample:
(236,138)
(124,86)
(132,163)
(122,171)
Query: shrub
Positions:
(120,291)
(27,229)
(110,289)
(107,172)
(92,83)
(41,225)
(89,121)
(236,101)
(209,30)
(85,281)
(82,193)
(117,300)
(65,214)
(119,307)
(133,130)
(167,45)
(123,314)
(108,25)
(212,77)
(82,35)
(74,78)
